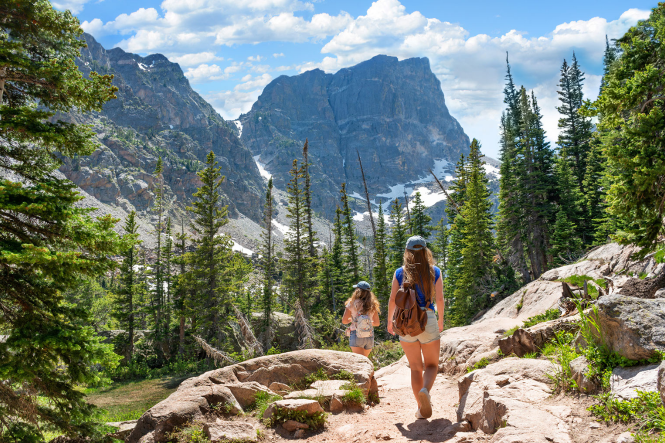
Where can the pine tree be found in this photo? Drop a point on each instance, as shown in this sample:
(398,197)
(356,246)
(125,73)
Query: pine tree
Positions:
(268,265)
(295,261)
(339,274)
(183,285)
(398,236)
(157,304)
(631,112)
(420,221)
(610,56)
(210,258)
(472,289)
(382,279)
(48,244)
(440,244)
(124,309)
(349,232)
(566,245)
(167,273)
(576,130)
(311,235)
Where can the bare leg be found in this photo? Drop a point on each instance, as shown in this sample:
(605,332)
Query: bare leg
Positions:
(361,351)
(413,355)
(431,353)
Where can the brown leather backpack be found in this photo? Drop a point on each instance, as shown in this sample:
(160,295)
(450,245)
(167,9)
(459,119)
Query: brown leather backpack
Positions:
(408,318)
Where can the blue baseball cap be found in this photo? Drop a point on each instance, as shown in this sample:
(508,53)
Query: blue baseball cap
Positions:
(362,285)
(415,242)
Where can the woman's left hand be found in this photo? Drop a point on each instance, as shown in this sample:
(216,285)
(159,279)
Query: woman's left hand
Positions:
(440,327)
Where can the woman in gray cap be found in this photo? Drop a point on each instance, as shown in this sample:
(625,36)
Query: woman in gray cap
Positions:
(419,269)
(362,311)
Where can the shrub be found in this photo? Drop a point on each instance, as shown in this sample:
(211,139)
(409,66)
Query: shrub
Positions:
(646,410)
(190,433)
(262,400)
(354,394)
(314,421)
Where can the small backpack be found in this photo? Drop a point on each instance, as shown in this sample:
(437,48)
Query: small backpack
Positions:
(364,328)
(408,318)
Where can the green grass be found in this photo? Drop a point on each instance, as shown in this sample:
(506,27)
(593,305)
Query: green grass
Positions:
(550,314)
(483,362)
(578,280)
(647,410)
(190,433)
(262,400)
(354,394)
(129,400)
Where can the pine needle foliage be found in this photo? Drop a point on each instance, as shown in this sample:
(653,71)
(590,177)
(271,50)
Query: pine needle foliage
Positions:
(48,245)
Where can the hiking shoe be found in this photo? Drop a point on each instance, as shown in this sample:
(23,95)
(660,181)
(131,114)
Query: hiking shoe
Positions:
(425,403)
(419,415)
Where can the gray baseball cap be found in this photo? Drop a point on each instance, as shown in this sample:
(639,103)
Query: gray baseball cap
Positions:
(415,242)
(363,285)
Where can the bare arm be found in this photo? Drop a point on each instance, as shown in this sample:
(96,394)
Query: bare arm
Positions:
(375,319)
(438,288)
(346,318)
(391,305)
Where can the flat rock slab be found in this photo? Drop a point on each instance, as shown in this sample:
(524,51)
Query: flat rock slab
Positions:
(309,406)
(124,428)
(625,382)
(225,430)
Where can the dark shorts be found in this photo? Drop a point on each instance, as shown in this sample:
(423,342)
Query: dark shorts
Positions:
(356,342)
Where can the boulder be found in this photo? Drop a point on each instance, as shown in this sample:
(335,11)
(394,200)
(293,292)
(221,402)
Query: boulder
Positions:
(661,381)
(246,392)
(525,341)
(506,398)
(309,406)
(632,327)
(336,404)
(279,388)
(647,288)
(625,382)
(626,437)
(579,368)
(231,430)
(123,428)
(292,425)
(235,386)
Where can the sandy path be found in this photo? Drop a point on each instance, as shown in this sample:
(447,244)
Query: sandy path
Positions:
(394,417)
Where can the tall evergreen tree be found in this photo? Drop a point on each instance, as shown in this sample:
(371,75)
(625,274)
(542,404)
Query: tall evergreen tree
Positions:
(211,256)
(631,126)
(295,261)
(183,285)
(268,265)
(398,235)
(311,235)
(48,244)
(610,56)
(478,247)
(167,273)
(157,303)
(575,129)
(420,220)
(339,274)
(382,278)
(349,231)
(125,308)
(440,244)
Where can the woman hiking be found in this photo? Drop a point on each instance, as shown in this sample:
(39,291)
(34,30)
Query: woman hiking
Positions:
(418,269)
(362,311)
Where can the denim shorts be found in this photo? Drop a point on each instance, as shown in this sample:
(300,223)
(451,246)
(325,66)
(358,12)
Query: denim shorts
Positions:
(430,334)
(361,342)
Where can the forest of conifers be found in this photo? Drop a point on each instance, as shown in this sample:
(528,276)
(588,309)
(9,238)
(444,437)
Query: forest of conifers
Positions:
(65,276)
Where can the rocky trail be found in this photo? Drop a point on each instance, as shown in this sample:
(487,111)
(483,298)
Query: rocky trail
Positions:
(506,400)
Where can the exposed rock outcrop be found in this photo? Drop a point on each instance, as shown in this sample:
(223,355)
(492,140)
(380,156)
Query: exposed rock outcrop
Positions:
(525,341)
(625,382)
(504,399)
(391,112)
(233,387)
(661,381)
(632,327)
(157,113)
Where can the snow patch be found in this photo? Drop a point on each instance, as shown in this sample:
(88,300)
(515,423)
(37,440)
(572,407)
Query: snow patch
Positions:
(142,67)
(239,248)
(282,228)
(239,126)
(396,191)
(262,168)
(491,170)
(171,126)
(429,198)
(358,216)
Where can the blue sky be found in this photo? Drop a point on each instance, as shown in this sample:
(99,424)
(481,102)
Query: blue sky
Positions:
(230,49)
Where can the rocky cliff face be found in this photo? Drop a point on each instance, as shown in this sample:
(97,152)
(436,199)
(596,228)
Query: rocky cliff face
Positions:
(156,114)
(391,112)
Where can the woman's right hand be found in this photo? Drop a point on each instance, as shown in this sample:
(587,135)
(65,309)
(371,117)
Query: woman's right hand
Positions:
(390,328)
